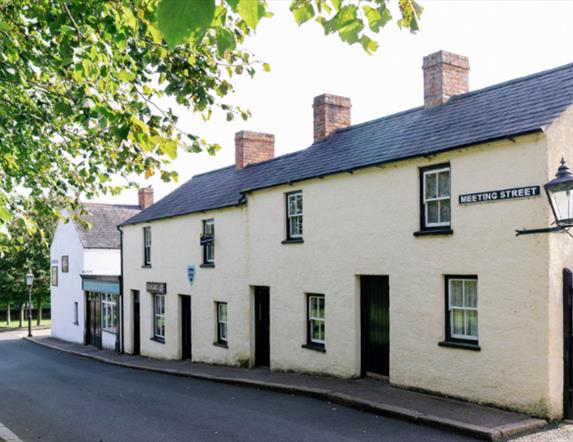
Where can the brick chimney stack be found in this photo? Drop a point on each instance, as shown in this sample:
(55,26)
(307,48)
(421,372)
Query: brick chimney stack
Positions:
(331,112)
(253,147)
(445,75)
(145,197)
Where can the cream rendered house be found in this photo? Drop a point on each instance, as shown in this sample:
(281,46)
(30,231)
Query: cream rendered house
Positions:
(386,247)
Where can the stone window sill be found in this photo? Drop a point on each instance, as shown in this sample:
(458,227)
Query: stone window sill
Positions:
(434,232)
(220,344)
(315,347)
(461,345)
(146,266)
(207,265)
(158,339)
(293,241)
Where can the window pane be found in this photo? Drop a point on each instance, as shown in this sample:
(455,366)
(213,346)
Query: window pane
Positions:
(444,211)
(470,293)
(457,322)
(471,322)
(432,211)
(444,183)
(430,185)
(223,312)
(320,312)
(456,293)
(296,226)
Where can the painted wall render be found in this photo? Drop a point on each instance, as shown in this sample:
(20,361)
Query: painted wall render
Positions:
(363,224)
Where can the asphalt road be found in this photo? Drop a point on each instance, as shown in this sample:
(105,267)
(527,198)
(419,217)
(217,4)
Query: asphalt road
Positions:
(46,395)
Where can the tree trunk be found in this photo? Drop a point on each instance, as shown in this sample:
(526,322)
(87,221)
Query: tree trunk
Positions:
(39,314)
(8,315)
(21,315)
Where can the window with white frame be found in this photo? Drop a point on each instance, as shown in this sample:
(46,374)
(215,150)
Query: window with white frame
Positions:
(462,304)
(159,317)
(208,241)
(222,326)
(109,313)
(147,246)
(294,215)
(436,197)
(315,320)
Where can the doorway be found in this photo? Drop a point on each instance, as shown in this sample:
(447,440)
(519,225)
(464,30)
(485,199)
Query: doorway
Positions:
(375,324)
(262,327)
(567,344)
(185,327)
(93,319)
(136,328)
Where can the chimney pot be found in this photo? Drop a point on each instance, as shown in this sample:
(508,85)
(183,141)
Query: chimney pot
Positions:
(445,75)
(145,197)
(331,112)
(253,147)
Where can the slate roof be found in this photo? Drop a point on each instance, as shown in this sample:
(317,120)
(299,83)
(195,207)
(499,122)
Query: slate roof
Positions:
(104,219)
(516,107)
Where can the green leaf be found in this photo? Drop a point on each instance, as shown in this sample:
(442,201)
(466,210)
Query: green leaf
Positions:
(125,76)
(182,20)
(369,45)
(5,215)
(225,41)
(169,148)
(266,67)
(336,4)
(233,4)
(250,12)
(63,108)
(303,13)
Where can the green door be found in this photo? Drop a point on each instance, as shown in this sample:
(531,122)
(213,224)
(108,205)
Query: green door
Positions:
(375,324)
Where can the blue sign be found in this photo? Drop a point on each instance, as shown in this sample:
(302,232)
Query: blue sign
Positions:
(191,274)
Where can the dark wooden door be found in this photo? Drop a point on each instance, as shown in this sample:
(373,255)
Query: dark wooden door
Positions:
(185,327)
(262,327)
(136,328)
(375,324)
(93,335)
(567,344)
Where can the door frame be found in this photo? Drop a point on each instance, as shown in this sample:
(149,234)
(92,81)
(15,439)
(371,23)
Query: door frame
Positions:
(182,300)
(364,325)
(257,292)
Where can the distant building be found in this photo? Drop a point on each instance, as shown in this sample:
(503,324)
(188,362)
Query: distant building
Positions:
(85,274)
(386,247)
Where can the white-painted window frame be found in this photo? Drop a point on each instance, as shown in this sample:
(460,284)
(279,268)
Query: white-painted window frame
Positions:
(222,324)
(109,313)
(158,314)
(425,200)
(147,246)
(463,307)
(312,319)
(209,249)
(293,218)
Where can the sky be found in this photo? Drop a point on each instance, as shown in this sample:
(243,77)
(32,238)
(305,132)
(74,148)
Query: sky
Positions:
(503,40)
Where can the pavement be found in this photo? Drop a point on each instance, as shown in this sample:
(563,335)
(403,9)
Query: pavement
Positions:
(373,395)
(48,395)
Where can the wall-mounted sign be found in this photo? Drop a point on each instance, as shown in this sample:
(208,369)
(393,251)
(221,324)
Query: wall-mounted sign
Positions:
(191,274)
(500,195)
(206,239)
(157,287)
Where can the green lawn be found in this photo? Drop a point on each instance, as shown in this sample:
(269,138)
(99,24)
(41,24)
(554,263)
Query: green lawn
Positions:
(15,323)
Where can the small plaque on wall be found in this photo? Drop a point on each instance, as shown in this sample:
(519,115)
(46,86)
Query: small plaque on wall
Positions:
(500,195)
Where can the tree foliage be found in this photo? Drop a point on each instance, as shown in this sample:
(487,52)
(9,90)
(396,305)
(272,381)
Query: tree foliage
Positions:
(83,81)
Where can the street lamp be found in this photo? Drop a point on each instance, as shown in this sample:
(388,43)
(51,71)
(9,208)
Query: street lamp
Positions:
(29,283)
(560,195)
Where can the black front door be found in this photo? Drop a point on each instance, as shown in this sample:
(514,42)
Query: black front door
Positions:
(375,324)
(93,319)
(262,327)
(185,327)
(567,344)
(136,329)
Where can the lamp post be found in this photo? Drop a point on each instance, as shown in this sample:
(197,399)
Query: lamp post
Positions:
(560,195)
(29,283)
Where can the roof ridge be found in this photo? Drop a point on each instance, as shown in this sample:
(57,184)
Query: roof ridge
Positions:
(130,206)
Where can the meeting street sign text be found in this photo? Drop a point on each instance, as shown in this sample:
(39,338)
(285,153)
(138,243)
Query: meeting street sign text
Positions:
(500,195)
